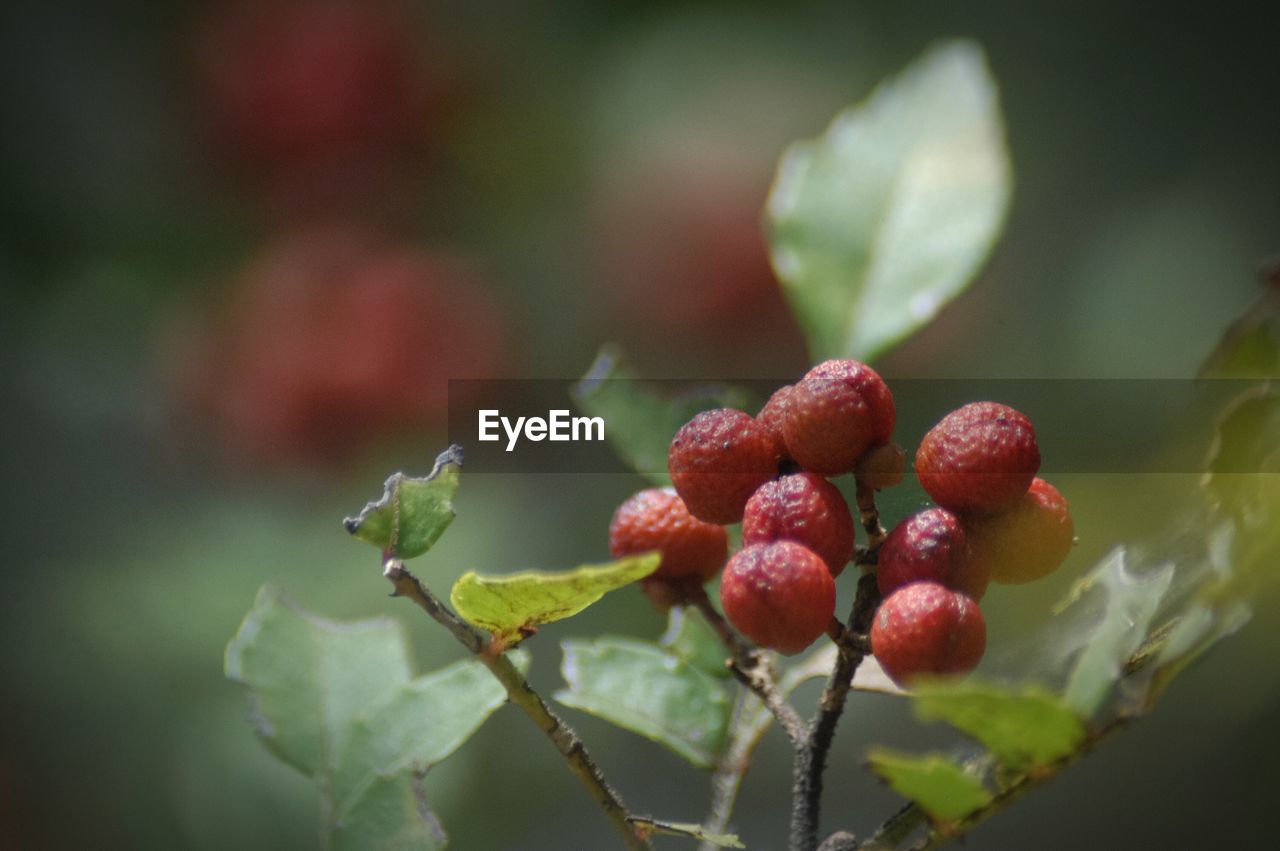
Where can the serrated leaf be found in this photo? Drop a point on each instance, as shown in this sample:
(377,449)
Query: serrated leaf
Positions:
(1023,729)
(421,724)
(880,222)
(413,512)
(642,421)
(335,701)
(512,605)
(386,813)
(688,830)
(642,688)
(691,639)
(309,677)
(1131,603)
(942,788)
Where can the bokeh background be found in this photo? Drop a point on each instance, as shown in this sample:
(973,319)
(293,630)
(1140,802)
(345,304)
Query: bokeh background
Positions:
(246,244)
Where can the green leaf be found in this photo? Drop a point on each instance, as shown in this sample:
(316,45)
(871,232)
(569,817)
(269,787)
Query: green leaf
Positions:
(641,421)
(1131,603)
(1244,465)
(943,789)
(335,701)
(691,639)
(516,604)
(1250,347)
(642,688)
(686,829)
(309,678)
(421,724)
(886,217)
(1023,729)
(386,813)
(412,513)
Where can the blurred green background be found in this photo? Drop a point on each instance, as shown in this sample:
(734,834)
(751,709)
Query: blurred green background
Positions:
(244,246)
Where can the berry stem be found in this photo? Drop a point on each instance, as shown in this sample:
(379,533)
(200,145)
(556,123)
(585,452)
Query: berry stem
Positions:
(522,695)
(869,515)
(751,667)
(811,756)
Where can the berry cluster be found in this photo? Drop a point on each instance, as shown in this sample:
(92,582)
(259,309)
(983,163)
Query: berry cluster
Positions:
(994,520)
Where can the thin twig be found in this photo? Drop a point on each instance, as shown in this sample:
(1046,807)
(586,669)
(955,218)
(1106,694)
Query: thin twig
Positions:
(811,758)
(910,817)
(752,668)
(523,696)
(746,728)
(896,829)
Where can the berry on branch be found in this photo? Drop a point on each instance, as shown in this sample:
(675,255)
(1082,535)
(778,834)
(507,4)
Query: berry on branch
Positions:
(804,508)
(931,547)
(716,462)
(839,410)
(657,519)
(924,628)
(773,415)
(978,459)
(779,595)
(881,467)
(1028,541)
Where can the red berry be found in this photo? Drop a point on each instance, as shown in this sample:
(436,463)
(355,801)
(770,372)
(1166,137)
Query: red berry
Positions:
(772,417)
(779,595)
(804,508)
(839,410)
(716,462)
(924,628)
(290,80)
(1029,540)
(320,353)
(930,547)
(979,458)
(657,519)
(881,467)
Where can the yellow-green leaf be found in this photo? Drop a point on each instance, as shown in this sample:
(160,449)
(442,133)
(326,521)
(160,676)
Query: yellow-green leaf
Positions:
(515,604)
(1023,728)
(413,512)
(943,789)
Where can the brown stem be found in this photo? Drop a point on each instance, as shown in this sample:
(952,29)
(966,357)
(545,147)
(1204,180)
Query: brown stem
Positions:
(811,757)
(523,696)
(869,515)
(751,667)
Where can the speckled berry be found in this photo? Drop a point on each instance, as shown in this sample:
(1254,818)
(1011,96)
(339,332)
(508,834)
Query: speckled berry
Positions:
(716,462)
(779,595)
(839,410)
(881,466)
(804,508)
(657,519)
(772,417)
(930,547)
(979,459)
(1027,541)
(924,628)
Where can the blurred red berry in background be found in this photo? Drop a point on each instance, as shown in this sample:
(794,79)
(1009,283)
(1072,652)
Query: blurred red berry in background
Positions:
(682,252)
(334,338)
(321,98)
